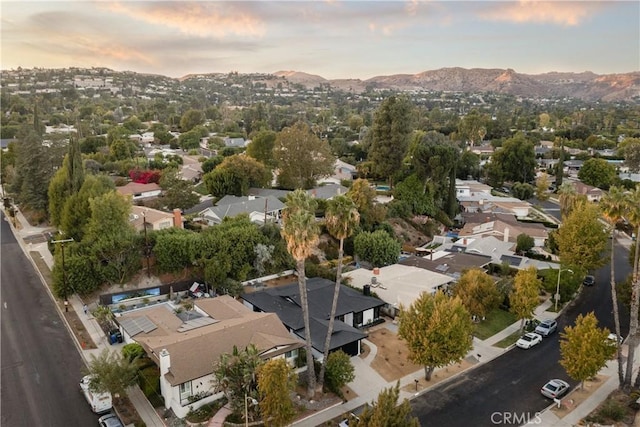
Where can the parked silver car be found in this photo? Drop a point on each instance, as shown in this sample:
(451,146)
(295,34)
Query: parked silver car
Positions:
(546,327)
(554,388)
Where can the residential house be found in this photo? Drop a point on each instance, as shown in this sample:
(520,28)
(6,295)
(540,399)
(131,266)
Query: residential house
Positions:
(451,263)
(481,202)
(355,310)
(397,285)
(342,171)
(185,344)
(153,219)
(503,226)
(593,194)
(139,191)
(259,209)
(324,192)
(235,142)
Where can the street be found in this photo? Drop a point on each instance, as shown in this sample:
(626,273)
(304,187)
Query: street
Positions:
(510,384)
(41,367)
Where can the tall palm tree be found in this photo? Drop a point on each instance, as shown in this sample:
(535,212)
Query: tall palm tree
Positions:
(633,216)
(341,218)
(613,207)
(301,232)
(567,197)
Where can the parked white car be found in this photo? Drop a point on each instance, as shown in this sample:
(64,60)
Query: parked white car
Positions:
(528,340)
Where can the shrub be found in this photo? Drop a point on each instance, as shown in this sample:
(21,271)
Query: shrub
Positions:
(339,371)
(613,410)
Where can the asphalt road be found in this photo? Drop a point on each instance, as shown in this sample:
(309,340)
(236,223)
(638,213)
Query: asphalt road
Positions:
(490,394)
(41,367)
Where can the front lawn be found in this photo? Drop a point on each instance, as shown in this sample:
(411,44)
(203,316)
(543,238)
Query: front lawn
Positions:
(511,339)
(495,322)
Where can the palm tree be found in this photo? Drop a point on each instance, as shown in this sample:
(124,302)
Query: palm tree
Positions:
(567,197)
(613,206)
(341,218)
(633,216)
(301,232)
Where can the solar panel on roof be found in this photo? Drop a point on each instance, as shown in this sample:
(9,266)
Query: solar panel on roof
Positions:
(134,326)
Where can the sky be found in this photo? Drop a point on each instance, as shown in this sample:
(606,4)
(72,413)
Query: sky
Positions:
(333,38)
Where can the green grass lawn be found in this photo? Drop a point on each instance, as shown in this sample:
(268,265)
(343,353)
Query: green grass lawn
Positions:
(201,189)
(511,339)
(496,321)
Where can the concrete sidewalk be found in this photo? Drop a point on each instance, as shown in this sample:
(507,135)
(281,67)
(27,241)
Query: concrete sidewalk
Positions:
(29,233)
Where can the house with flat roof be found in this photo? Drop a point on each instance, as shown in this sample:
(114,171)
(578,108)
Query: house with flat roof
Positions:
(355,311)
(185,344)
(397,285)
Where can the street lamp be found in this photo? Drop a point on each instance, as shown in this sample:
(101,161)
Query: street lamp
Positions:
(246,408)
(557,296)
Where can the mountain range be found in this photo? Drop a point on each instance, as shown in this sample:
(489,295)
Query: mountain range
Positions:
(586,86)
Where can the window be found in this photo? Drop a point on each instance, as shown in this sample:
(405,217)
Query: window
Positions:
(185,391)
(357,319)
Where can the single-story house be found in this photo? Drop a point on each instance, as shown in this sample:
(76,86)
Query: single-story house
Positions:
(139,191)
(453,264)
(154,219)
(259,209)
(185,344)
(341,171)
(593,194)
(397,284)
(355,310)
(503,226)
(325,192)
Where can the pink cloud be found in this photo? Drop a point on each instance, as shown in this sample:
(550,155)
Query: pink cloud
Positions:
(567,13)
(201,19)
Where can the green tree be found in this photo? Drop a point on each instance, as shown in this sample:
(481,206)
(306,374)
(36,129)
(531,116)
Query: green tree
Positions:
(560,165)
(473,127)
(582,239)
(542,187)
(390,136)
(523,298)
(261,147)
(584,348)
(412,191)
(112,373)
(189,140)
(301,157)
(478,292)
(339,371)
(236,375)
(438,331)
(276,381)
(377,248)
(341,219)
(614,205)
(190,119)
(176,249)
(517,159)
(524,243)
(177,192)
(235,175)
(597,172)
(522,191)
(79,275)
(301,232)
(121,149)
(363,195)
(630,149)
(568,198)
(112,238)
(66,182)
(77,210)
(386,411)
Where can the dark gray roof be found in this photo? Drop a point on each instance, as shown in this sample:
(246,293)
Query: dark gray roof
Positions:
(285,302)
(511,260)
(230,206)
(199,207)
(453,263)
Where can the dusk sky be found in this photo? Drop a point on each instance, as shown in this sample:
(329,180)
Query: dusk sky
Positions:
(333,38)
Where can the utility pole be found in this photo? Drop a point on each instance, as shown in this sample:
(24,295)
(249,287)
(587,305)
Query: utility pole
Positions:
(64,272)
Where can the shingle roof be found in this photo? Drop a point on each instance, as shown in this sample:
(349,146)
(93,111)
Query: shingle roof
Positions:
(285,301)
(194,351)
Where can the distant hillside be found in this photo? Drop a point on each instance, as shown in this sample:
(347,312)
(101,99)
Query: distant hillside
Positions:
(586,86)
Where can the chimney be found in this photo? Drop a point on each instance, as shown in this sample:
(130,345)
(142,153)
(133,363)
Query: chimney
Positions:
(506,234)
(177,218)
